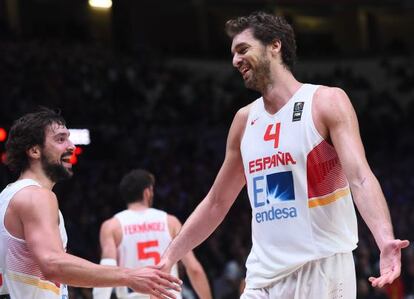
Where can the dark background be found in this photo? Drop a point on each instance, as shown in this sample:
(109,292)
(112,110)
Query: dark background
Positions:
(153,82)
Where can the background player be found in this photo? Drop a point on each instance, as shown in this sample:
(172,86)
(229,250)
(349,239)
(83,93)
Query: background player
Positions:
(139,235)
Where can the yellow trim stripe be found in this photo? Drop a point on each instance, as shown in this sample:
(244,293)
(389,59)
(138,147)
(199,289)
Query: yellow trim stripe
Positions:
(44,285)
(327,199)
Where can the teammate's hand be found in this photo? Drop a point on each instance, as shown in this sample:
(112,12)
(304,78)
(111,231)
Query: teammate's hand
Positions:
(164,265)
(390,263)
(151,280)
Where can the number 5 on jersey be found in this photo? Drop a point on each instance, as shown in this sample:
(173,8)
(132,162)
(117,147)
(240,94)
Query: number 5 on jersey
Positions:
(272,134)
(145,252)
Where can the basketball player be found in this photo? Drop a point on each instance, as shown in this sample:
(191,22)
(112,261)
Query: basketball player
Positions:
(139,235)
(33,261)
(299,151)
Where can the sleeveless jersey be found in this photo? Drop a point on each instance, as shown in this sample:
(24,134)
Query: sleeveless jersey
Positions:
(145,237)
(22,277)
(302,207)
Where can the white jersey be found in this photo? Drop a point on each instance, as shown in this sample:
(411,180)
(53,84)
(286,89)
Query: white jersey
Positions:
(22,277)
(145,237)
(302,207)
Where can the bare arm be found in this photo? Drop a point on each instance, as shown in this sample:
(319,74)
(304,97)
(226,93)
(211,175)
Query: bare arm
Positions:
(109,238)
(212,210)
(334,110)
(38,213)
(194,269)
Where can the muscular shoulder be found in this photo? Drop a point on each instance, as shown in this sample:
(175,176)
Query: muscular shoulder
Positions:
(34,197)
(32,208)
(330,106)
(111,225)
(31,205)
(331,101)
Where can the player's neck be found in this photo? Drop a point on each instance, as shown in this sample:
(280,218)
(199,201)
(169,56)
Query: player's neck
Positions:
(276,95)
(137,206)
(38,176)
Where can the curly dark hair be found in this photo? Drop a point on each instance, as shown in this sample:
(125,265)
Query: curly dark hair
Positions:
(267,28)
(133,184)
(26,132)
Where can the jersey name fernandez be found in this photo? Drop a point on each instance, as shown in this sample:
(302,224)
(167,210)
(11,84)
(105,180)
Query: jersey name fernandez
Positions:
(302,208)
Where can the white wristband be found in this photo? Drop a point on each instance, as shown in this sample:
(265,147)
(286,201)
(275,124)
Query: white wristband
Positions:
(104,293)
(108,262)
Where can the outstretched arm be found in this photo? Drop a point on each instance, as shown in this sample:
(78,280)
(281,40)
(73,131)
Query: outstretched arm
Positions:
(38,213)
(212,210)
(335,110)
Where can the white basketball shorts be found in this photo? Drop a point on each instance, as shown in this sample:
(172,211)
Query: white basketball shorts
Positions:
(328,278)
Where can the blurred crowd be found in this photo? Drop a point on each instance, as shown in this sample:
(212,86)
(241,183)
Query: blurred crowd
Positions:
(172,119)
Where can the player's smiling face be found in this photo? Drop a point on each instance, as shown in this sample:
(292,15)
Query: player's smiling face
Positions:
(56,153)
(251,60)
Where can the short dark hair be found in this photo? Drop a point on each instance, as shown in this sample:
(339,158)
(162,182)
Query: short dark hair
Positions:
(267,28)
(133,184)
(26,132)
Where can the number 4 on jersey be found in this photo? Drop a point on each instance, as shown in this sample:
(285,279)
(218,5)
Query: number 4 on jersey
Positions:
(144,254)
(272,134)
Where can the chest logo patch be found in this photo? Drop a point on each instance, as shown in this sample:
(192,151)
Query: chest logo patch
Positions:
(297,111)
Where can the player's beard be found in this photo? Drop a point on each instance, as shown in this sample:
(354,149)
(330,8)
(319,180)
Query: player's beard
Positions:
(55,171)
(260,75)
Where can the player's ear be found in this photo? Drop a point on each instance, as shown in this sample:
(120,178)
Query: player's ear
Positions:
(34,152)
(147,192)
(276,47)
